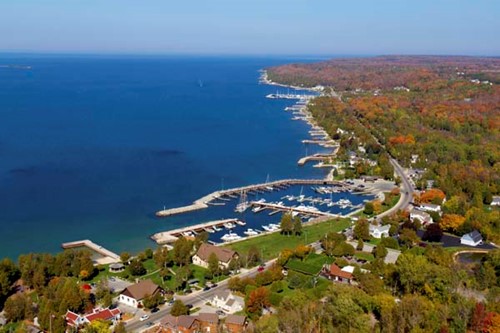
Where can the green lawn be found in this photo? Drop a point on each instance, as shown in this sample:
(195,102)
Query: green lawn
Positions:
(272,244)
(364,255)
(384,208)
(311,265)
(375,241)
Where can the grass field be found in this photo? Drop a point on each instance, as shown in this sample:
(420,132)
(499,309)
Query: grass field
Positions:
(271,245)
(311,265)
(364,255)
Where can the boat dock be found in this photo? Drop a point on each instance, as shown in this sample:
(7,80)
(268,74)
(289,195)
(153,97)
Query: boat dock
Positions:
(281,208)
(231,193)
(108,257)
(315,157)
(168,237)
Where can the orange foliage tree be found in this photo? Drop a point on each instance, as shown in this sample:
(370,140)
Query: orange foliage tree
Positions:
(258,299)
(451,222)
(434,195)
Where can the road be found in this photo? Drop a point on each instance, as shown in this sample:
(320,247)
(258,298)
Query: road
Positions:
(406,191)
(196,298)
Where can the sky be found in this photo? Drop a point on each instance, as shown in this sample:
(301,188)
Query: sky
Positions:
(251,27)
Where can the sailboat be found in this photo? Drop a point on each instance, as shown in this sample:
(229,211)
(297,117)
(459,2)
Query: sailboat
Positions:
(244,204)
(268,188)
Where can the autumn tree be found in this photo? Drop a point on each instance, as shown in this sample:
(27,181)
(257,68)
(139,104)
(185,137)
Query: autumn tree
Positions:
(18,307)
(433,233)
(286,224)
(136,268)
(451,222)
(161,256)
(257,300)
(179,309)
(362,230)
(182,251)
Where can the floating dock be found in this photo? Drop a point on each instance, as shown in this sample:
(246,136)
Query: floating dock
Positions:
(282,208)
(108,257)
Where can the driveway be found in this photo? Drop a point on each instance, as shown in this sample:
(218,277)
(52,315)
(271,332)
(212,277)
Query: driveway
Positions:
(117,285)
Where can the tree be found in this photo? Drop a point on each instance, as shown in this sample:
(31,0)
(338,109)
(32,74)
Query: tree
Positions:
(451,222)
(362,230)
(125,257)
(161,256)
(380,251)
(297,226)
(136,268)
(120,328)
(390,242)
(179,309)
(360,245)
(286,224)
(258,299)
(152,301)
(182,251)
(165,274)
(213,264)
(331,241)
(253,256)
(301,251)
(97,326)
(149,253)
(433,233)
(369,208)
(18,307)
(408,238)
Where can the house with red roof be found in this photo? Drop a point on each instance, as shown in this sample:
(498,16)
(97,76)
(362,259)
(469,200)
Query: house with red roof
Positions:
(76,320)
(335,273)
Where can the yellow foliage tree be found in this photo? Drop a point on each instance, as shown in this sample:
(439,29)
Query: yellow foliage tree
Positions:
(451,221)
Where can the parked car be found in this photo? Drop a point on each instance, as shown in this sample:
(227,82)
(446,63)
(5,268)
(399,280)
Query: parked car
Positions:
(149,324)
(220,312)
(189,306)
(260,269)
(207,288)
(154,310)
(144,317)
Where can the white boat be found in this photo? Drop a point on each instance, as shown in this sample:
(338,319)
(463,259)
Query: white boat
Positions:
(188,234)
(267,228)
(230,237)
(250,232)
(257,209)
(244,204)
(229,225)
(216,228)
(210,230)
(238,222)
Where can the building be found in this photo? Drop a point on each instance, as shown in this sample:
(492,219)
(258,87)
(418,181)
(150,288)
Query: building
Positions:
(209,322)
(495,201)
(334,273)
(427,207)
(223,254)
(423,217)
(116,268)
(75,320)
(379,231)
(133,295)
(228,302)
(236,324)
(473,238)
(181,324)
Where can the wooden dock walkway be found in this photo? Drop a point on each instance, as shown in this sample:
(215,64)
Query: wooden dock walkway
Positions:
(170,236)
(283,208)
(108,256)
(203,202)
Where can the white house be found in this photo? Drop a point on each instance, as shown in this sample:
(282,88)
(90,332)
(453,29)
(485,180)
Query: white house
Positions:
(228,302)
(423,217)
(495,201)
(427,207)
(379,231)
(75,320)
(134,294)
(472,239)
(223,254)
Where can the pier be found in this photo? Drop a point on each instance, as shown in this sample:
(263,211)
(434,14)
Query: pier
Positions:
(168,237)
(278,184)
(281,208)
(108,257)
(315,157)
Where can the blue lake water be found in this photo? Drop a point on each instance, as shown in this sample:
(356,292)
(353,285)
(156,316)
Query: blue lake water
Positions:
(91,147)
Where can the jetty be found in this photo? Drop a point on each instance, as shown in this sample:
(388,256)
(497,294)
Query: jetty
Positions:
(168,237)
(108,257)
(231,193)
(315,157)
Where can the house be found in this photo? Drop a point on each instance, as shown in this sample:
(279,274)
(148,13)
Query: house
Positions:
(495,201)
(228,302)
(223,254)
(423,217)
(181,324)
(132,295)
(75,320)
(379,231)
(473,238)
(209,322)
(334,273)
(236,324)
(427,207)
